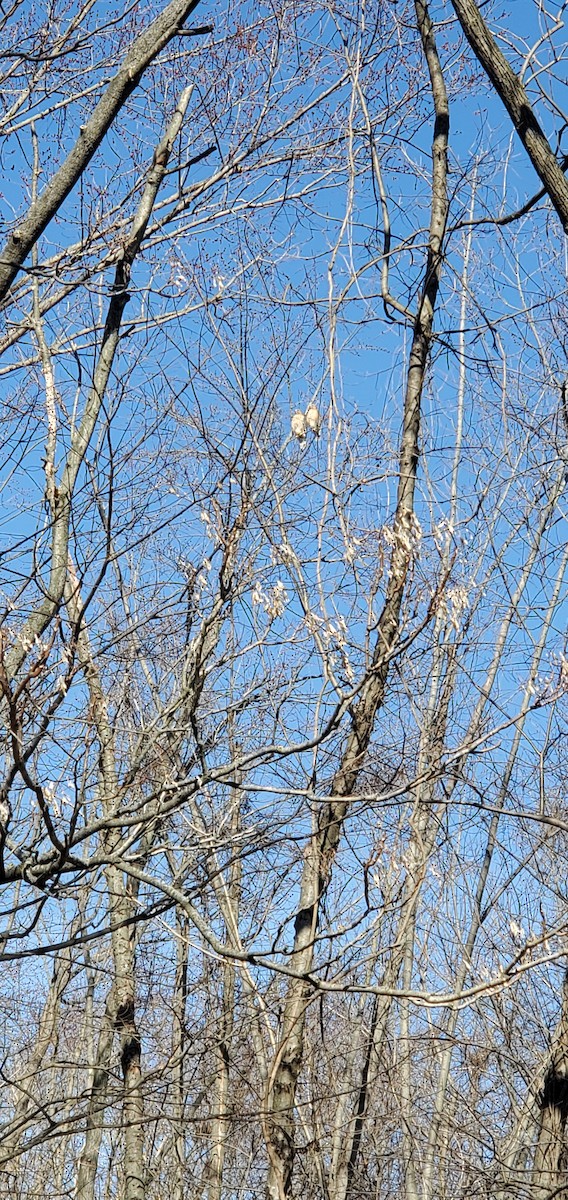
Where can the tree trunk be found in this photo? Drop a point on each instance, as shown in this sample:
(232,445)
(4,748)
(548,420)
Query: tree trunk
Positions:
(221,1120)
(550,1169)
(281,1089)
(142,52)
(511,91)
(88,1162)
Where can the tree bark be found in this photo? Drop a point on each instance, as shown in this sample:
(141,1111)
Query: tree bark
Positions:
(61,495)
(143,51)
(122,937)
(513,95)
(281,1088)
(178,1054)
(89,1159)
(221,1121)
(550,1168)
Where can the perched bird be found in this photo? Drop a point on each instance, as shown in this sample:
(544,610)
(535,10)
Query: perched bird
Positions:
(313,419)
(298,426)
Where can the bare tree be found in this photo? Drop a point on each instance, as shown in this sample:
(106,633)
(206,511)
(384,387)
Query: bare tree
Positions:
(283,665)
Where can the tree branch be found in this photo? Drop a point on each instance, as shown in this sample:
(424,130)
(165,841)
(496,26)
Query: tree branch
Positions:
(144,50)
(511,91)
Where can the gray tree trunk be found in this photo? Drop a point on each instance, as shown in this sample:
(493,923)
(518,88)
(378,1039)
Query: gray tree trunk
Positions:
(281,1089)
(514,96)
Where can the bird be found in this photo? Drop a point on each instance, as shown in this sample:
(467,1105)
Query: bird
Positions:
(313,419)
(298,426)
